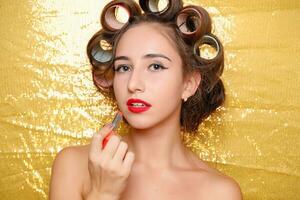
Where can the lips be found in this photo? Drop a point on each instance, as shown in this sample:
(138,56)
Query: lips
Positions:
(131,101)
(138,109)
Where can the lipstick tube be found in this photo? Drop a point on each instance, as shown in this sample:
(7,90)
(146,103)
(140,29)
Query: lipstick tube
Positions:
(116,121)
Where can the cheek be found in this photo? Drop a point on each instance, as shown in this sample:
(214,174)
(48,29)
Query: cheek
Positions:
(118,87)
(168,87)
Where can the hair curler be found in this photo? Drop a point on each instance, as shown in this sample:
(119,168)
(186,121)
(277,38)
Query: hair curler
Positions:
(211,40)
(101,48)
(213,65)
(108,17)
(193,22)
(152,6)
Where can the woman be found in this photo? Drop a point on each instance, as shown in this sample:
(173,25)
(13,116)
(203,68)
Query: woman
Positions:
(162,86)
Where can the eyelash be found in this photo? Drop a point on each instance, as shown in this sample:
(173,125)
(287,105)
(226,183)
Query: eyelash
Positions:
(120,66)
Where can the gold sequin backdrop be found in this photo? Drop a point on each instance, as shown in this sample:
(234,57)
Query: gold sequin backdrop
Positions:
(48,101)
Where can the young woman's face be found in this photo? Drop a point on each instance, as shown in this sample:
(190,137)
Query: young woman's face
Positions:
(148,67)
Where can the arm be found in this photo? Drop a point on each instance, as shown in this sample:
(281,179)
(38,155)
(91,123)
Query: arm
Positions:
(65,176)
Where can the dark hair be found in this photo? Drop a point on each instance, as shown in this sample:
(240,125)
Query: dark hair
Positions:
(210,93)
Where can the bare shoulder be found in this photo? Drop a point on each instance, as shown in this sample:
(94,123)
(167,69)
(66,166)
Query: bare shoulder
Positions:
(71,158)
(224,187)
(219,185)
(73,152)
(68,172)
(214,184)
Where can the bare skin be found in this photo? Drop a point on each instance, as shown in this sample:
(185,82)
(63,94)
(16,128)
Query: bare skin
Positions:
(163,167)
(196,181)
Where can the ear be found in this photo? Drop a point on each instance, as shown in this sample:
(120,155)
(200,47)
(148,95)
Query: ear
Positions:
(191,84)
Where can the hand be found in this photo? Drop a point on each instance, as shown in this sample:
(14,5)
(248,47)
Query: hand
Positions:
(110,167)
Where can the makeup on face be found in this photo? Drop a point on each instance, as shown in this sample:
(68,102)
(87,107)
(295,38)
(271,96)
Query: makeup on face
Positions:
(115,123)
(137,105)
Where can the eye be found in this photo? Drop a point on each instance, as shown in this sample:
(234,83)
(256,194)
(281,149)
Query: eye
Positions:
(124,68)
(157,66)
(120,67)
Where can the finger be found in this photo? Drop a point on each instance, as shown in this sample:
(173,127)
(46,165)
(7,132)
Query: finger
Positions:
(106,139)
(121,151)
(112,146)
(128,162)
(96,143)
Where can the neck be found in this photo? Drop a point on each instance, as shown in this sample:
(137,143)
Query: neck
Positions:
(158,147)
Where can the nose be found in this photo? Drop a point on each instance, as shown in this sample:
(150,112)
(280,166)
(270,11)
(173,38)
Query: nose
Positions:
(135,82)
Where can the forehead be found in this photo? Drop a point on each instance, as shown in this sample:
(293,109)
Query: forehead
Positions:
(146,38)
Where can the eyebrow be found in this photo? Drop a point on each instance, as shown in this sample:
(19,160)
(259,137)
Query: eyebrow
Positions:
(152,55)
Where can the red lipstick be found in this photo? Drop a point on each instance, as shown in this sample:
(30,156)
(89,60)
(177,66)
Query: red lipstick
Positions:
(140,105)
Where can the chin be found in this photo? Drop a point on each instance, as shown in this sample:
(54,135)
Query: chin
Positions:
(139,122)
